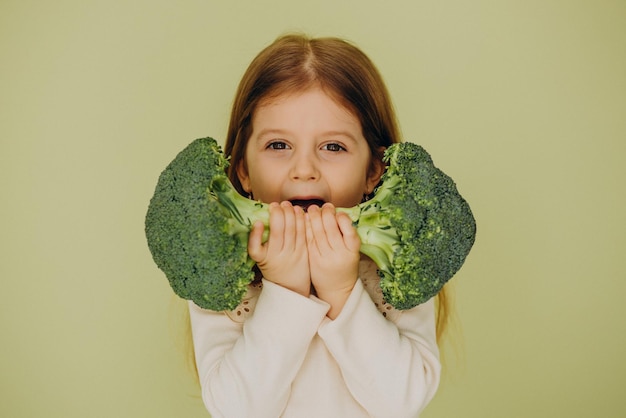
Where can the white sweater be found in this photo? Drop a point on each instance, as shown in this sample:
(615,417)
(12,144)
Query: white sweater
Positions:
(279,355)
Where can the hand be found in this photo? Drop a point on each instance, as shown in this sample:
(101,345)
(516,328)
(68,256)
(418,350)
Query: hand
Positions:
(333,247)
(283,258)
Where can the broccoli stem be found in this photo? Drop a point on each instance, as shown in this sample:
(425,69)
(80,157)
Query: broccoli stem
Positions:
(378,237)
(244,212)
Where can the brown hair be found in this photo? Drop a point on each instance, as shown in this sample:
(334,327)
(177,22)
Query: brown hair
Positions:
(295,63)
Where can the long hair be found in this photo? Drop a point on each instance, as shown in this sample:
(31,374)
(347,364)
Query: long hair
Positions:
(295,63)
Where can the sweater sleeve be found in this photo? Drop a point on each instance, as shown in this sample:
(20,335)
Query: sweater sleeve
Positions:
(391,366)
(257,359)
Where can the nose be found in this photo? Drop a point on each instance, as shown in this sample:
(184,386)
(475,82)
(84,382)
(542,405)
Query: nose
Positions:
(304,167)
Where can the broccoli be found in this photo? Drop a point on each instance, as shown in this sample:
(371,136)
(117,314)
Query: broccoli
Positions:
(416,228)
(192,239)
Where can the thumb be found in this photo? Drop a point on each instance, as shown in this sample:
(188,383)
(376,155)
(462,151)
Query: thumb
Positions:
(256,249)
(350,236)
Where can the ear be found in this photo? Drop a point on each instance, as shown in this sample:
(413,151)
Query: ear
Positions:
(242,174)
(375,172)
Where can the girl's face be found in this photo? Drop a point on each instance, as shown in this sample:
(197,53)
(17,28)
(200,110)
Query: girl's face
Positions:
(307,149)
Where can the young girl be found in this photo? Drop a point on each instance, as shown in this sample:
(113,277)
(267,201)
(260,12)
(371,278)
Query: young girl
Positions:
(313,336)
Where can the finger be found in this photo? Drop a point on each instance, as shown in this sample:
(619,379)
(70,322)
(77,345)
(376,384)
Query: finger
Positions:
(348,231)
(311,214)
(256,249)
(289,217)
(277,225)
(300,227)
(331,230)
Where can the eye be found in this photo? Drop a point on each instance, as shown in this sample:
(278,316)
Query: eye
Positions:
(277,145)
(334,147)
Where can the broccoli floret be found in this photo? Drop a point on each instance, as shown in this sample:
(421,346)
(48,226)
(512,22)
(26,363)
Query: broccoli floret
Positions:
(416,228)
(194,240)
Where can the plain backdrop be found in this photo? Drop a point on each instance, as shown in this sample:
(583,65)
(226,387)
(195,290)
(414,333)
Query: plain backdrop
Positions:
(523,103)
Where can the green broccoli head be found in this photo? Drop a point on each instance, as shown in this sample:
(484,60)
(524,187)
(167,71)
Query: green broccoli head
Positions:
(417,227)
(189,234)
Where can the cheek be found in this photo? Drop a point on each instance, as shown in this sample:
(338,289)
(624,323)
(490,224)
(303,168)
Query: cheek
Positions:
(264,185)
(352,190)
(348,201)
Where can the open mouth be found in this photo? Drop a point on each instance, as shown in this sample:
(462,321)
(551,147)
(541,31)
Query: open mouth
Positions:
(305,204)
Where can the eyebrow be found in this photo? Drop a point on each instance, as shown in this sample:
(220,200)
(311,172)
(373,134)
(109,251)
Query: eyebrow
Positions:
(265,132)
(269,131)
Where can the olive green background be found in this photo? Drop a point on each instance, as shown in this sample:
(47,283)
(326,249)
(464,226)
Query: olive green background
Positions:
(523,103)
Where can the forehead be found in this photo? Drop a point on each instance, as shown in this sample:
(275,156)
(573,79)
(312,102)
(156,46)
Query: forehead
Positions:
(313,103)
